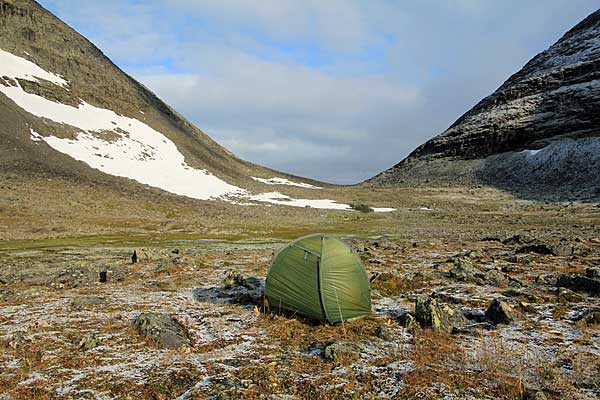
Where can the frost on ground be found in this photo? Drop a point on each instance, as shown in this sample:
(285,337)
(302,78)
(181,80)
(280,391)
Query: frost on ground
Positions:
(134,150)
(64,334)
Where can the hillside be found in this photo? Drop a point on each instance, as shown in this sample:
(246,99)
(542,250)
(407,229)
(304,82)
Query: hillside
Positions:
(537,135)
(75,126)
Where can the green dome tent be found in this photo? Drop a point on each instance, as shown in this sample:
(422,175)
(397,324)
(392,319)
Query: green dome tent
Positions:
(319,277)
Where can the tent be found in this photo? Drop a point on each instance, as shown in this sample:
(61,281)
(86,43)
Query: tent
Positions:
(319,277)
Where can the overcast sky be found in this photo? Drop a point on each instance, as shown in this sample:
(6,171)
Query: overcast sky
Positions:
(336,90)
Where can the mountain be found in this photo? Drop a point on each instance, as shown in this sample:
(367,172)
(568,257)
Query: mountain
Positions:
(68,112)
(537,135)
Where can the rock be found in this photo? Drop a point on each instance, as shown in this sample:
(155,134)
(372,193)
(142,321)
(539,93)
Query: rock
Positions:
(253,283)
(233,278)
(592,273)
(408,321)
(161,329)
(18,340)
(430,315)
(475,315)
(383,332)
(7,294)
(83,302)
(546,279)
(516,239)
(589,317)
(579,283)
(539,248)
(88,342)
(464,271)
(341,352)
(490,239)
(565,295)
(564,250)
(499,312)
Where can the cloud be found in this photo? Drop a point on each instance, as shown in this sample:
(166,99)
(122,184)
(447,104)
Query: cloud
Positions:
(336,90)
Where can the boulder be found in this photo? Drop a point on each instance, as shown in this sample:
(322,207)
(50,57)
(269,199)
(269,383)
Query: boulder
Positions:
(161,329)
(592,273)
(579,283)
(499,312)
(408,321)
(88,342)
(589,317)
(87,301)
(538,248)
(464,271)
(565,295)
(341,352)
(429,314)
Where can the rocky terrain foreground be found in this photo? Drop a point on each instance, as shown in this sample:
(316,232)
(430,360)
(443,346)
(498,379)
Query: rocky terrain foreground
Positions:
(475,296)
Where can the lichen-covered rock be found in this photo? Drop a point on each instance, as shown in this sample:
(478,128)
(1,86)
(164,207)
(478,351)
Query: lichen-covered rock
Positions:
(429,314)
(88,342)
(499,312)
(341,352)
(161,329)
(87,301)
(565,295)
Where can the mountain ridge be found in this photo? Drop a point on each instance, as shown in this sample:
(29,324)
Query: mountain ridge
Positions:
(553,99)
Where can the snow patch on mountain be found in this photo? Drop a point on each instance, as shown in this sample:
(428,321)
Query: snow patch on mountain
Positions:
(283,181)
(17,67)
(126,147)
(282,199)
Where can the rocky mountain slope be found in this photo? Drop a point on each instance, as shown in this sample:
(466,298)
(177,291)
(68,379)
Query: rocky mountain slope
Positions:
(540,130)
(67,111)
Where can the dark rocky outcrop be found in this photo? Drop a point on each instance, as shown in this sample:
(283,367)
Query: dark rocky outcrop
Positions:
(579,283)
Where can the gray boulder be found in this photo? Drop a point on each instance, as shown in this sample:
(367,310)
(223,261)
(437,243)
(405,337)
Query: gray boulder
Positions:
(161,329)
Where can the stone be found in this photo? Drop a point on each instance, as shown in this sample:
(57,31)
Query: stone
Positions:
(565,295)
(88,342)
(464,271)
(383,332)
(341,351)
(592,273)
(538,248)
(408,322)
(18,340)
(429,314)
(589,317)
(499,312)
(233,278)
(579,283)
(87,301)
(161,329)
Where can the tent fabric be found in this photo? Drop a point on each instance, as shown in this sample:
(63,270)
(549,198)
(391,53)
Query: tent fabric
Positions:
(319,277)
